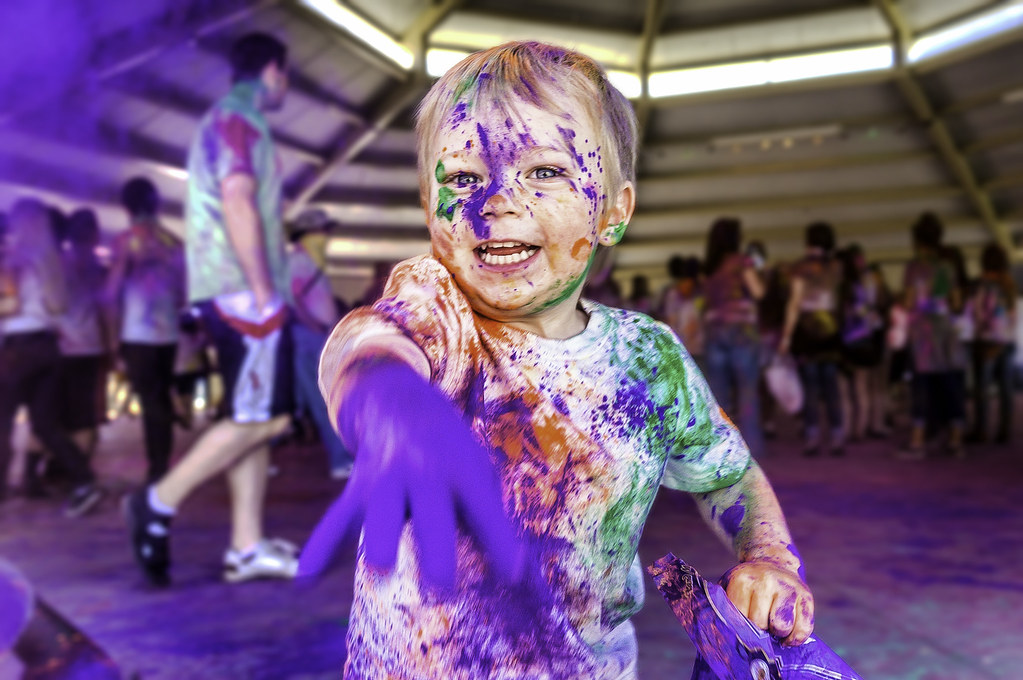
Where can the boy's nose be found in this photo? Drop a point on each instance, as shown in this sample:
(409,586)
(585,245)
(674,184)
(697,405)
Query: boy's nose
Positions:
(501,202)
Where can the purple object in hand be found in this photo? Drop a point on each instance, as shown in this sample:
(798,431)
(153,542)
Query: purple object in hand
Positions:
(729,645)
(415,460)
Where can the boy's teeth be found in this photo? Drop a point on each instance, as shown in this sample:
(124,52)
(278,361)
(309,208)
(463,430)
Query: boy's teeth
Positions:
(505,252)
(490,258)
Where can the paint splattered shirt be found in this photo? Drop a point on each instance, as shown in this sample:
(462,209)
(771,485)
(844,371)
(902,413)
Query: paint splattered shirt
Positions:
(582,432)
(233,138)
(153,291)
(933,341)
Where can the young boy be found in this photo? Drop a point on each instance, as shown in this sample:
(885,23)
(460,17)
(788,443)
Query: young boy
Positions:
(526,431)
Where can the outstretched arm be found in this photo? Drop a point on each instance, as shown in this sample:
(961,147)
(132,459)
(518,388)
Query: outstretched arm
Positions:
(415,460)
(768,585)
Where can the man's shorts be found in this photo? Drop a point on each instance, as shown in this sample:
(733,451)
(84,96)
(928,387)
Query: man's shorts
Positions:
(83,392)
(256,369)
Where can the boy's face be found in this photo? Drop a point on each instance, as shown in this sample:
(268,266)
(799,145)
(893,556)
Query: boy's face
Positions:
(517,206)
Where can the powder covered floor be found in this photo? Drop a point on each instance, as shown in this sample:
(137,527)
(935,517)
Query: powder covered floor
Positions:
(914,565)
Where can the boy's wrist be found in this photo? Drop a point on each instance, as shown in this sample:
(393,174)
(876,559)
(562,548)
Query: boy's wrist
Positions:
(782,557)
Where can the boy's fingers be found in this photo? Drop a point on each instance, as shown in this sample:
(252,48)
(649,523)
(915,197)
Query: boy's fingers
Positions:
(342,517)
(761,603)
(740,593)
(783,615)
(804,621)
(483,511)
(433,524)
(385,518)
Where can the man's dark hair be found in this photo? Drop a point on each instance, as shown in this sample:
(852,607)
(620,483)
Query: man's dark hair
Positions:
(684,267)
(251,53)
(724,239)
(83,228)
(994,259)
(821,235)
(928,231)
(140,197)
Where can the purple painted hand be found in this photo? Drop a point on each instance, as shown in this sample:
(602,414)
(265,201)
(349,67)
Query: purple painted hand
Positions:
(416,460)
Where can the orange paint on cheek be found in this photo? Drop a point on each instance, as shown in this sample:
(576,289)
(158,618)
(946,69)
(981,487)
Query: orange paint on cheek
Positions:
(580,245)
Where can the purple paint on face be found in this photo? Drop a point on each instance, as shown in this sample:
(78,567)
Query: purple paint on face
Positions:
(731,519)
(476,202)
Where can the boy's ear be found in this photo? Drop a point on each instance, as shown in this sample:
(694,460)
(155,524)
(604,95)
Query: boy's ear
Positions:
(618,216)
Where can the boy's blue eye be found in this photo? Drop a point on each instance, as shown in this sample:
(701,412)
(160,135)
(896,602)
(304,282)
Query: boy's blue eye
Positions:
(546,173)
(464,179)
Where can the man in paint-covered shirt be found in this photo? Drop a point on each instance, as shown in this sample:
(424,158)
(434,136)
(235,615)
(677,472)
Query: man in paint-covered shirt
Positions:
(510,437)
(238,279)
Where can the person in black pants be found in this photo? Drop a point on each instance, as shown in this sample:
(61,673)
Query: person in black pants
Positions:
(147,289)
(33,299)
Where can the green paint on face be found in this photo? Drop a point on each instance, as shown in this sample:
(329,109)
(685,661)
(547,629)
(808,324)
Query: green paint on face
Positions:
(572,284)
(438,172)
(446,202)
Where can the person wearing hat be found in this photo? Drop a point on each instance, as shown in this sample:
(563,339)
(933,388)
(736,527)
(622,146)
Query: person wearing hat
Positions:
(316,312)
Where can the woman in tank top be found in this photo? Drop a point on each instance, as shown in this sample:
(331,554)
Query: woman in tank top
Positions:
(732,342)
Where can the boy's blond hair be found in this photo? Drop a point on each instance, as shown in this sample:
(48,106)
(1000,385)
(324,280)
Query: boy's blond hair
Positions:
(541,75)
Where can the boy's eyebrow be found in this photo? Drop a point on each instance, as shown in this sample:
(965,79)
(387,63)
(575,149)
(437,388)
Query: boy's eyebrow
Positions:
(532,150)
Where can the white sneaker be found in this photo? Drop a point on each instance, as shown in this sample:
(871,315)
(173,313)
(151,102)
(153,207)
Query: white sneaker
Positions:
(272,558)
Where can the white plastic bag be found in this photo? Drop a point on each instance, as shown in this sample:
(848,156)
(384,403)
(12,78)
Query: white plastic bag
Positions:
(783,382)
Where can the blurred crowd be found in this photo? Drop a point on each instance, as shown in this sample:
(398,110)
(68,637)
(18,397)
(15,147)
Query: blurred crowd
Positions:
(93,329)
(917,362)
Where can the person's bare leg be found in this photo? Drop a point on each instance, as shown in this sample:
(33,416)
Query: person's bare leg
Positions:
(218,448)
(862,399)
(247,481)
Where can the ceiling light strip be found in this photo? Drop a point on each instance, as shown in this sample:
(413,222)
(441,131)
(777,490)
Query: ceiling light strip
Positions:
(352,23)
(767,71)
(1001,19)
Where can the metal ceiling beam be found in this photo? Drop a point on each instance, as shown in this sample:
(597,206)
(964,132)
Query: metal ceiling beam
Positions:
(948,150)
(417,35)
(30,175)
(128,49)
(796,165)
(1014,179)
(853,122)
(981,100)
(882,195)
(169,97)
(652,22)
(997,141)
(343,38)
(398,101)
(394,104)
(297,82)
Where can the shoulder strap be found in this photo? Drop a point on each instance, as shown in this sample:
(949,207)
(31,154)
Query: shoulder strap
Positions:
(310,283)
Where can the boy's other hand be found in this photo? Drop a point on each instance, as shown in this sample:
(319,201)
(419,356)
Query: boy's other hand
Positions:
(416,460)
(773,598)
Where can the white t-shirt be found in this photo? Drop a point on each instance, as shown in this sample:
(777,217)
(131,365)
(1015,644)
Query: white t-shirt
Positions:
(32,315)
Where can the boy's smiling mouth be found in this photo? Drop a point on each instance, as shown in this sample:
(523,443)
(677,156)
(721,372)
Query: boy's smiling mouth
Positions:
(503,253)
